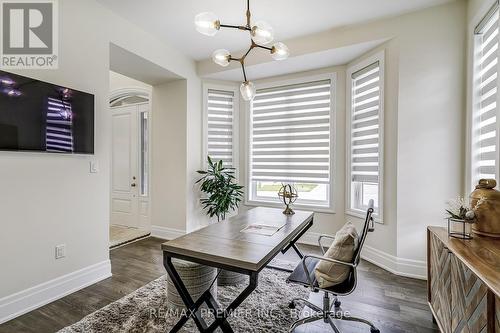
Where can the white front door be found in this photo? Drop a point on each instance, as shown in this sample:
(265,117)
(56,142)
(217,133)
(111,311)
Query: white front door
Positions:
(129,202)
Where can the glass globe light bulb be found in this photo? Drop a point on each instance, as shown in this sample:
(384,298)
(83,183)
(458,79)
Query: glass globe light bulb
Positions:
(280,51)
(221,57)
(262,33)
(247,90)
(207,23)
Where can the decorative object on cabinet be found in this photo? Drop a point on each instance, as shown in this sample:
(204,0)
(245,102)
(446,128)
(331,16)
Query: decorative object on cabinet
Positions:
(288,194)
(488,211)
(460,228)
(462,215)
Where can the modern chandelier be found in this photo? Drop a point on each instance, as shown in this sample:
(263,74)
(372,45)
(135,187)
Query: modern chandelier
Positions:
(261,34)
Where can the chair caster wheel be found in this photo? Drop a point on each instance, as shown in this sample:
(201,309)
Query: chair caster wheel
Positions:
(291,305)
(374,330)
(336,304)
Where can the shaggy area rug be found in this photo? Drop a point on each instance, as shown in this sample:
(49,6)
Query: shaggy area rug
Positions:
(145,310)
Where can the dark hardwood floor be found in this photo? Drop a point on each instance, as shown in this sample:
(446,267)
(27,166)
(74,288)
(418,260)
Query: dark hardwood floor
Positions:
(397,304)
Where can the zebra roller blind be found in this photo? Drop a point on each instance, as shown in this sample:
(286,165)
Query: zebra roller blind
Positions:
(290,139)
(220,110)
(365,129)
(485,124)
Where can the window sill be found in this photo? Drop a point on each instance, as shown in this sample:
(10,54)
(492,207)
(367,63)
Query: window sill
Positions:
(315,209)
(362,215)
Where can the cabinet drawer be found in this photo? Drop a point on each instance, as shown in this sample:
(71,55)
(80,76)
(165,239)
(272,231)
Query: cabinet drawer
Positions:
(440,284)
(468,299)
(463,282)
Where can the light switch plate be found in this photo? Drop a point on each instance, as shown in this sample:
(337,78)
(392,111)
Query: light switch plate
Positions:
(94,166)
(60,251)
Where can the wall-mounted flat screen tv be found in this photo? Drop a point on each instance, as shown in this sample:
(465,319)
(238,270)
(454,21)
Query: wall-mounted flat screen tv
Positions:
(39,116)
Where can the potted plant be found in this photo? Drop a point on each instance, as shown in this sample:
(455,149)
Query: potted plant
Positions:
(221,195)
(461,216)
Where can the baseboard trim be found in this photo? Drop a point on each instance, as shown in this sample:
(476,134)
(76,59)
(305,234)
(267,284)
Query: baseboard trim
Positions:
(399,266)
(166,233)
(416,269)
(32,298)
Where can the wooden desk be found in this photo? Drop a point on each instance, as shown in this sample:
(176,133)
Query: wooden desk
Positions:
(223,245)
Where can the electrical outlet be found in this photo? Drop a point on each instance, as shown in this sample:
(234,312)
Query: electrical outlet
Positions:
(60,251)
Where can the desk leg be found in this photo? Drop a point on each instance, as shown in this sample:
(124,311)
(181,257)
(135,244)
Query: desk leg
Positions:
(295,240)
(223,314)
(293,245)
(192,307)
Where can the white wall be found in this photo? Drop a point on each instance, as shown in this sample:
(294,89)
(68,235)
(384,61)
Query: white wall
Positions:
(169,163)
(430,123)
(424,127)
(119,81)
(52,199)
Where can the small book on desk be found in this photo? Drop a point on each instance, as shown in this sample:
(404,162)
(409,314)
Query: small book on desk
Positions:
(262,229)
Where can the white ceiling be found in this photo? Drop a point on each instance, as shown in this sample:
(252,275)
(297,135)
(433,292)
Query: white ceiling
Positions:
(172,21)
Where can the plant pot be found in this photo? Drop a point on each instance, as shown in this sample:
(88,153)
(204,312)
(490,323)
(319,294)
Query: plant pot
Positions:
(460,228)
(228,278)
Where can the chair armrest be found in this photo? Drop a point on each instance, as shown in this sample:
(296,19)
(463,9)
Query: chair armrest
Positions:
(335,261)
(320,244)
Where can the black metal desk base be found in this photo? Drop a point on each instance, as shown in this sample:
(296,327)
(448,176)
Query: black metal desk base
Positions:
(193,308)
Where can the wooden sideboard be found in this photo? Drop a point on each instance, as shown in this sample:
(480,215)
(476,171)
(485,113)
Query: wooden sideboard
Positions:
(463,282)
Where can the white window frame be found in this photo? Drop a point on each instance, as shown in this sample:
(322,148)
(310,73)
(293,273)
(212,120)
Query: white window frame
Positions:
(250,191)
(471,174)
(361,213)
(236,107)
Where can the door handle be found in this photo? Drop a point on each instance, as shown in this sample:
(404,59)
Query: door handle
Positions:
(133,184)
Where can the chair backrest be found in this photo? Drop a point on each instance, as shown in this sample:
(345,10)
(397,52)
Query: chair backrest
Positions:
(367,227)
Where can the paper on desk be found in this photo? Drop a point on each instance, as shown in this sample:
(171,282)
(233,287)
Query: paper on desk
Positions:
(262,229)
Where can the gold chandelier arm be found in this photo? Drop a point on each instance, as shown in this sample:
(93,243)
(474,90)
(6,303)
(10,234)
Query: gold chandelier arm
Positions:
(248,51)
(242,63)
(243,69)
(263,47)
(240,27)
(248,14)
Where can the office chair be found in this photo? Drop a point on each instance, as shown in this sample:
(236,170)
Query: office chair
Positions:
(304,275)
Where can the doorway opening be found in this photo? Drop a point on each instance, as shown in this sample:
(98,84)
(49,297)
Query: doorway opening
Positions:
(132,80)
(130,109)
